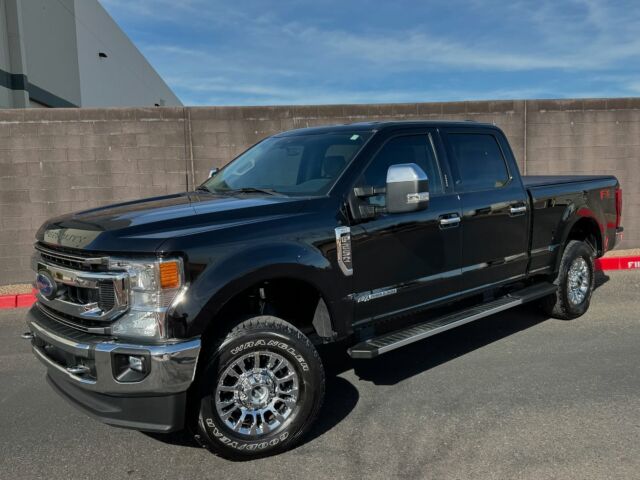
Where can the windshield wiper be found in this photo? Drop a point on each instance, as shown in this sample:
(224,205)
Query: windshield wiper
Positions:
(268,191)
(202,188)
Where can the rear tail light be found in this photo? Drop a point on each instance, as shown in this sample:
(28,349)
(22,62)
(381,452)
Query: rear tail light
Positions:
(618,206)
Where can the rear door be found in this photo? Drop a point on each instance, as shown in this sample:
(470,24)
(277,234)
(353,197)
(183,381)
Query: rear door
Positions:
(495,216)
(404,260)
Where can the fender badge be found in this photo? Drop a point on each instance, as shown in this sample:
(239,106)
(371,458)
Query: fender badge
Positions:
(343,250)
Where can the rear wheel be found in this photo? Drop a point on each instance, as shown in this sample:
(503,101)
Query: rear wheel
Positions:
(575,283)
(260,391)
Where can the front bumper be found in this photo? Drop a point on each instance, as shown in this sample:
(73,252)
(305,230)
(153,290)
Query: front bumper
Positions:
(154,403)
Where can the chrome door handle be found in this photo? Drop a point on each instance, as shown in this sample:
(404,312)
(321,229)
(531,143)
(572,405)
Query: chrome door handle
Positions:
(447,222)
(516,210)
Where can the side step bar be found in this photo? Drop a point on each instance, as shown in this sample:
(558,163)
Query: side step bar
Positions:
(390,341)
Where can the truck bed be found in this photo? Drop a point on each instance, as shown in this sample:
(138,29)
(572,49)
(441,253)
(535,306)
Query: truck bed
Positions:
(547,180)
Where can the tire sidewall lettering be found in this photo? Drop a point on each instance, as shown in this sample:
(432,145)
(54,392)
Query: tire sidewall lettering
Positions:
(247,345)
(239,445)
(272,343)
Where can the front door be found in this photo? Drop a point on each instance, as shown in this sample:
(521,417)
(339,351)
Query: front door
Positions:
(403,260)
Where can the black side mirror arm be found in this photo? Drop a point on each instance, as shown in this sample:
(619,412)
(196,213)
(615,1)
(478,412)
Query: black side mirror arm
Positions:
(365,192)
(367,211)
(371,211)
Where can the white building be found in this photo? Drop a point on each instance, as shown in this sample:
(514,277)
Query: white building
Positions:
(70,53)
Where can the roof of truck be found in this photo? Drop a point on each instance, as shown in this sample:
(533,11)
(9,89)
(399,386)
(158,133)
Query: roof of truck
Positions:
(382,125)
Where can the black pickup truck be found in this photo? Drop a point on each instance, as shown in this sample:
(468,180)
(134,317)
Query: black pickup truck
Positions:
(205,309)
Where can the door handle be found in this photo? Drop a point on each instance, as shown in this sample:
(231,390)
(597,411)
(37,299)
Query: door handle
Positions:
(449,222)
(518,210)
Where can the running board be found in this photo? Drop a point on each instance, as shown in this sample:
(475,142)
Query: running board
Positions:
(390,341)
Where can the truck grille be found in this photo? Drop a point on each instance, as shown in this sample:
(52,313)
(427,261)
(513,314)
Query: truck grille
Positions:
(84,325)
(87,296)
(106,296)
(66,257)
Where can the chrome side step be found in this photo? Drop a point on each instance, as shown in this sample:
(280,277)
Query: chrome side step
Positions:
(390,341)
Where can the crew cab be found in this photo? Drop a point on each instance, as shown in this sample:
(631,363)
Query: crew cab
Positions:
(205,309)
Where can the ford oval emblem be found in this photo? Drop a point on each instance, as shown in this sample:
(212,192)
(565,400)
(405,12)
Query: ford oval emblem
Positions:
(45,284)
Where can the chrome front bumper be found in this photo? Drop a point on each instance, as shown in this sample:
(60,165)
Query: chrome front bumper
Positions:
(172,366)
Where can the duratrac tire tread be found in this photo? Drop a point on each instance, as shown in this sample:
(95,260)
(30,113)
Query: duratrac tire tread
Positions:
(252,329)
(558,305)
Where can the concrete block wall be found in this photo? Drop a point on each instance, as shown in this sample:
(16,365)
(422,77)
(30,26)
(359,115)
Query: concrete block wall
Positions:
(57,161)
(590,137)
(220,133)
(61,160)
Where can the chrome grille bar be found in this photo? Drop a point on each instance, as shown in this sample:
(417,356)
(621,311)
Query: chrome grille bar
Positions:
(71,324)
(109,300)
(67,257)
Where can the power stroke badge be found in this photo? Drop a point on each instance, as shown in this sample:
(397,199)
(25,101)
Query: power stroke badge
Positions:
(343,250)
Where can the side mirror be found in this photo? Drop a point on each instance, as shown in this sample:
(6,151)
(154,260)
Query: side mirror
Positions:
(407,188)
(213,172)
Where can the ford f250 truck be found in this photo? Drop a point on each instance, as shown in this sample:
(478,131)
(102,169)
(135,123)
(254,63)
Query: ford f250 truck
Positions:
(204,309)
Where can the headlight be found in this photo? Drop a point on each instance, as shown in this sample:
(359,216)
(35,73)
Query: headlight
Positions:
(153,285)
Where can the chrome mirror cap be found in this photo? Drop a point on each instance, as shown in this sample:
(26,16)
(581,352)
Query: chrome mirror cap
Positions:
(407,188)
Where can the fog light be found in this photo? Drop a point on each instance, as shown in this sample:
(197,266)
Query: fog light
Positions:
(129,367)
(136,363)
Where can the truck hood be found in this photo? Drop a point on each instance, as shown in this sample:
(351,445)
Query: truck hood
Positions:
(143,225)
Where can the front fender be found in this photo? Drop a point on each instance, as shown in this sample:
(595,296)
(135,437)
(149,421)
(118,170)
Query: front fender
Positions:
(225,278)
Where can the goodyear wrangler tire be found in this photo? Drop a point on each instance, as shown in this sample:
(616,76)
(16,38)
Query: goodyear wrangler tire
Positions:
(260,391)
(575,281)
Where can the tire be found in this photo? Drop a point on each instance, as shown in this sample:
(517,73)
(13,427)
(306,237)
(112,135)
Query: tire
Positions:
(276,415)
(572,297)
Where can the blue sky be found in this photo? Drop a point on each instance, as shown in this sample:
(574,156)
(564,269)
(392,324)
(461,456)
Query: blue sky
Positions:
(264,52)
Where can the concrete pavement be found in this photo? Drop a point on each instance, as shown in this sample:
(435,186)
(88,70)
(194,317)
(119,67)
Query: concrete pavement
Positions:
(515,395)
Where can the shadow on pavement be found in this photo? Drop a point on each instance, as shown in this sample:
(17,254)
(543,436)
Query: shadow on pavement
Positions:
(340,399)
(600,279)
(424,355)
(394,367)
(182,438)
(419,357)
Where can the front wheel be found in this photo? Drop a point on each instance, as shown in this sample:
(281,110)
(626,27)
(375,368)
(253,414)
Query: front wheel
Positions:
(575,283)
(260,391)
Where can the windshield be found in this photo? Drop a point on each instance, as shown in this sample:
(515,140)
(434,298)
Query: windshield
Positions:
(292,165)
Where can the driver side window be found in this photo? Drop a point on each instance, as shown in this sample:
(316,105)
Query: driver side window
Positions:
(405,149)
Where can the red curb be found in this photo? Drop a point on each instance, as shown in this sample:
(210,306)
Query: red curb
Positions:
(7,301)
(25,300)
(19,300)
(609,263)
(604,264)
(618,263)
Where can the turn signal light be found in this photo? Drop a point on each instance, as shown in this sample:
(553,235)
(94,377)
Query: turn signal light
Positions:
(169,275)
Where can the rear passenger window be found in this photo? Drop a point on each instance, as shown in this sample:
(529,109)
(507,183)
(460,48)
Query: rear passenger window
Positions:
(479,164)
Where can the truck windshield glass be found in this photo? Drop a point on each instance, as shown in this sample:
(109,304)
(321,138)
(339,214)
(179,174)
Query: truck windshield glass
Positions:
(292,165)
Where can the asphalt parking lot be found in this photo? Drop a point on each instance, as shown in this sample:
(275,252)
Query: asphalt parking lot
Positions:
(516,395)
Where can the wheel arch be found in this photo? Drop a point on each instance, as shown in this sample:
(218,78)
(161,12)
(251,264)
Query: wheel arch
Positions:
(290,280)
(585,229)
(290,296)
(588,230)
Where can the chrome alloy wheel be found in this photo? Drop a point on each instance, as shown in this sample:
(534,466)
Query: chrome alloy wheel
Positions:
(579,281)
(257,393)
